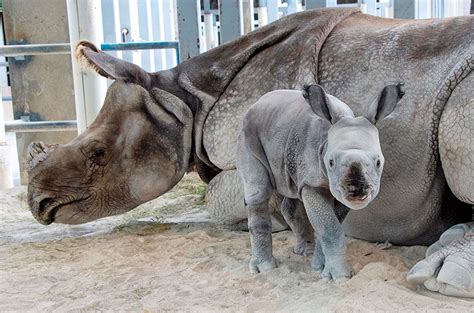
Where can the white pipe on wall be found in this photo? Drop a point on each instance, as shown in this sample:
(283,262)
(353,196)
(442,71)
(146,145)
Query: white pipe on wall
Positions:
(85,23)
(6,179)
(209,30)
(262,16)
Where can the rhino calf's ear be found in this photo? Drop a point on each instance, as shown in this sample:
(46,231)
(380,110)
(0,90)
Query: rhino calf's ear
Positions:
(317,100)
(385,103)
(324,105)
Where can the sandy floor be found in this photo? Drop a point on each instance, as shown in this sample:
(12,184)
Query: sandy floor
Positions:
(167,256)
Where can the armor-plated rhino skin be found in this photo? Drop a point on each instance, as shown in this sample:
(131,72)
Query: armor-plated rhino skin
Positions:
(153,126)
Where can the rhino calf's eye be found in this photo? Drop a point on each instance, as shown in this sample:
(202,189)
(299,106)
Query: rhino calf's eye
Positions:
(331,163)
(378,163)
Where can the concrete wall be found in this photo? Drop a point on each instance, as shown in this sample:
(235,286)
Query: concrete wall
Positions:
(42,86)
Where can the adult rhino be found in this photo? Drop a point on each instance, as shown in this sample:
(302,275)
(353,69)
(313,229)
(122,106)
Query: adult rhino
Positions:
(154,126)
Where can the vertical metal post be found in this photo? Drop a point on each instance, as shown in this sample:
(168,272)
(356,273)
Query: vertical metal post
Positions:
(125,27)
(2,121)
(208,25)
(423,9)
(108,19)
(404,9)
(272,9)
(85,22)
(188,28)
(371,7)
(231,20)
(169,33)
(6,179)
(315,4)
(262,16)
(247,15)
(292,6)
(143,33)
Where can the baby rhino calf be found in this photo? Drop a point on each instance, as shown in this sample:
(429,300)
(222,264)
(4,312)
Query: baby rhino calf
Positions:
(308,146)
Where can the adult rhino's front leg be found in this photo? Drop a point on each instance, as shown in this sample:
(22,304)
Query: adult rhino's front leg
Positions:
(225,202)
(449,264)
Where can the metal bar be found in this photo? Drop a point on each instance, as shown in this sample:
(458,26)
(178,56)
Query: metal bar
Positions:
(292,6)
(188,12)
(247,16)
(85,23)
(43,126)
(404,9)
(39,49)
(315,4)
(231,20)
(272,10)
(142,46)
(167,31)
(371,6)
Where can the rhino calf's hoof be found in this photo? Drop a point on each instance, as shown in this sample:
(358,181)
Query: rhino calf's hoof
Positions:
(305,248)
(336,268)
(257,266)
(317,263)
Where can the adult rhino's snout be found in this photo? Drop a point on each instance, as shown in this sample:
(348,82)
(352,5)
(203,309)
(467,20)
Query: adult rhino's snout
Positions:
(42,207)
(38,152)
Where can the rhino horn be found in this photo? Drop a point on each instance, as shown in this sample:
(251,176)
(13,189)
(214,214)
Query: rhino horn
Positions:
(38,152)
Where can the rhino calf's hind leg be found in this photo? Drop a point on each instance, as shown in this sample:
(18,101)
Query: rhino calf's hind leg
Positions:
(260,228)
(225,202)
(294,214)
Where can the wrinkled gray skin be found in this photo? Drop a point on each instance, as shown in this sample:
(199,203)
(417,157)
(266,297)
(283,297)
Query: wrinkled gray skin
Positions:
(308,146)
(154,126)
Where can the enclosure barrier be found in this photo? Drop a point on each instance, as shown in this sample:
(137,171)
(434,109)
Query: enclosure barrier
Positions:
(148,45)
(20,51)
(41,126)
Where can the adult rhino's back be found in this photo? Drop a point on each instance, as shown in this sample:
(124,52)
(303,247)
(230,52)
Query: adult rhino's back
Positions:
(361,55)
(289,63)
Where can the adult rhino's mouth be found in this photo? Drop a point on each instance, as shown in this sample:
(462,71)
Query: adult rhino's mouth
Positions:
(49,207)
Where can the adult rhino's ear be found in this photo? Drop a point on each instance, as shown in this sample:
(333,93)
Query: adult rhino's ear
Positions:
(173,105)
(110,67)
(324,105)
(385,103)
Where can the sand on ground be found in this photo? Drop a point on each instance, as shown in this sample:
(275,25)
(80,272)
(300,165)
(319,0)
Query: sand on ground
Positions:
(167,256)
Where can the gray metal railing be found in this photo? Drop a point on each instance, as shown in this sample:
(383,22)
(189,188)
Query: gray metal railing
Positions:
(19,126)
(20,51)
(40,49)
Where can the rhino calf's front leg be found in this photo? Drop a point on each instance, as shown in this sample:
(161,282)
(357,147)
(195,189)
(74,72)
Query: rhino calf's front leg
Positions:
(260,228)
(294,214)
(319,205)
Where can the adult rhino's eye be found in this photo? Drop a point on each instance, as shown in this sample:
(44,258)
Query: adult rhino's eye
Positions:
(99,153)
(378,163)
(97,157)
(331,163)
